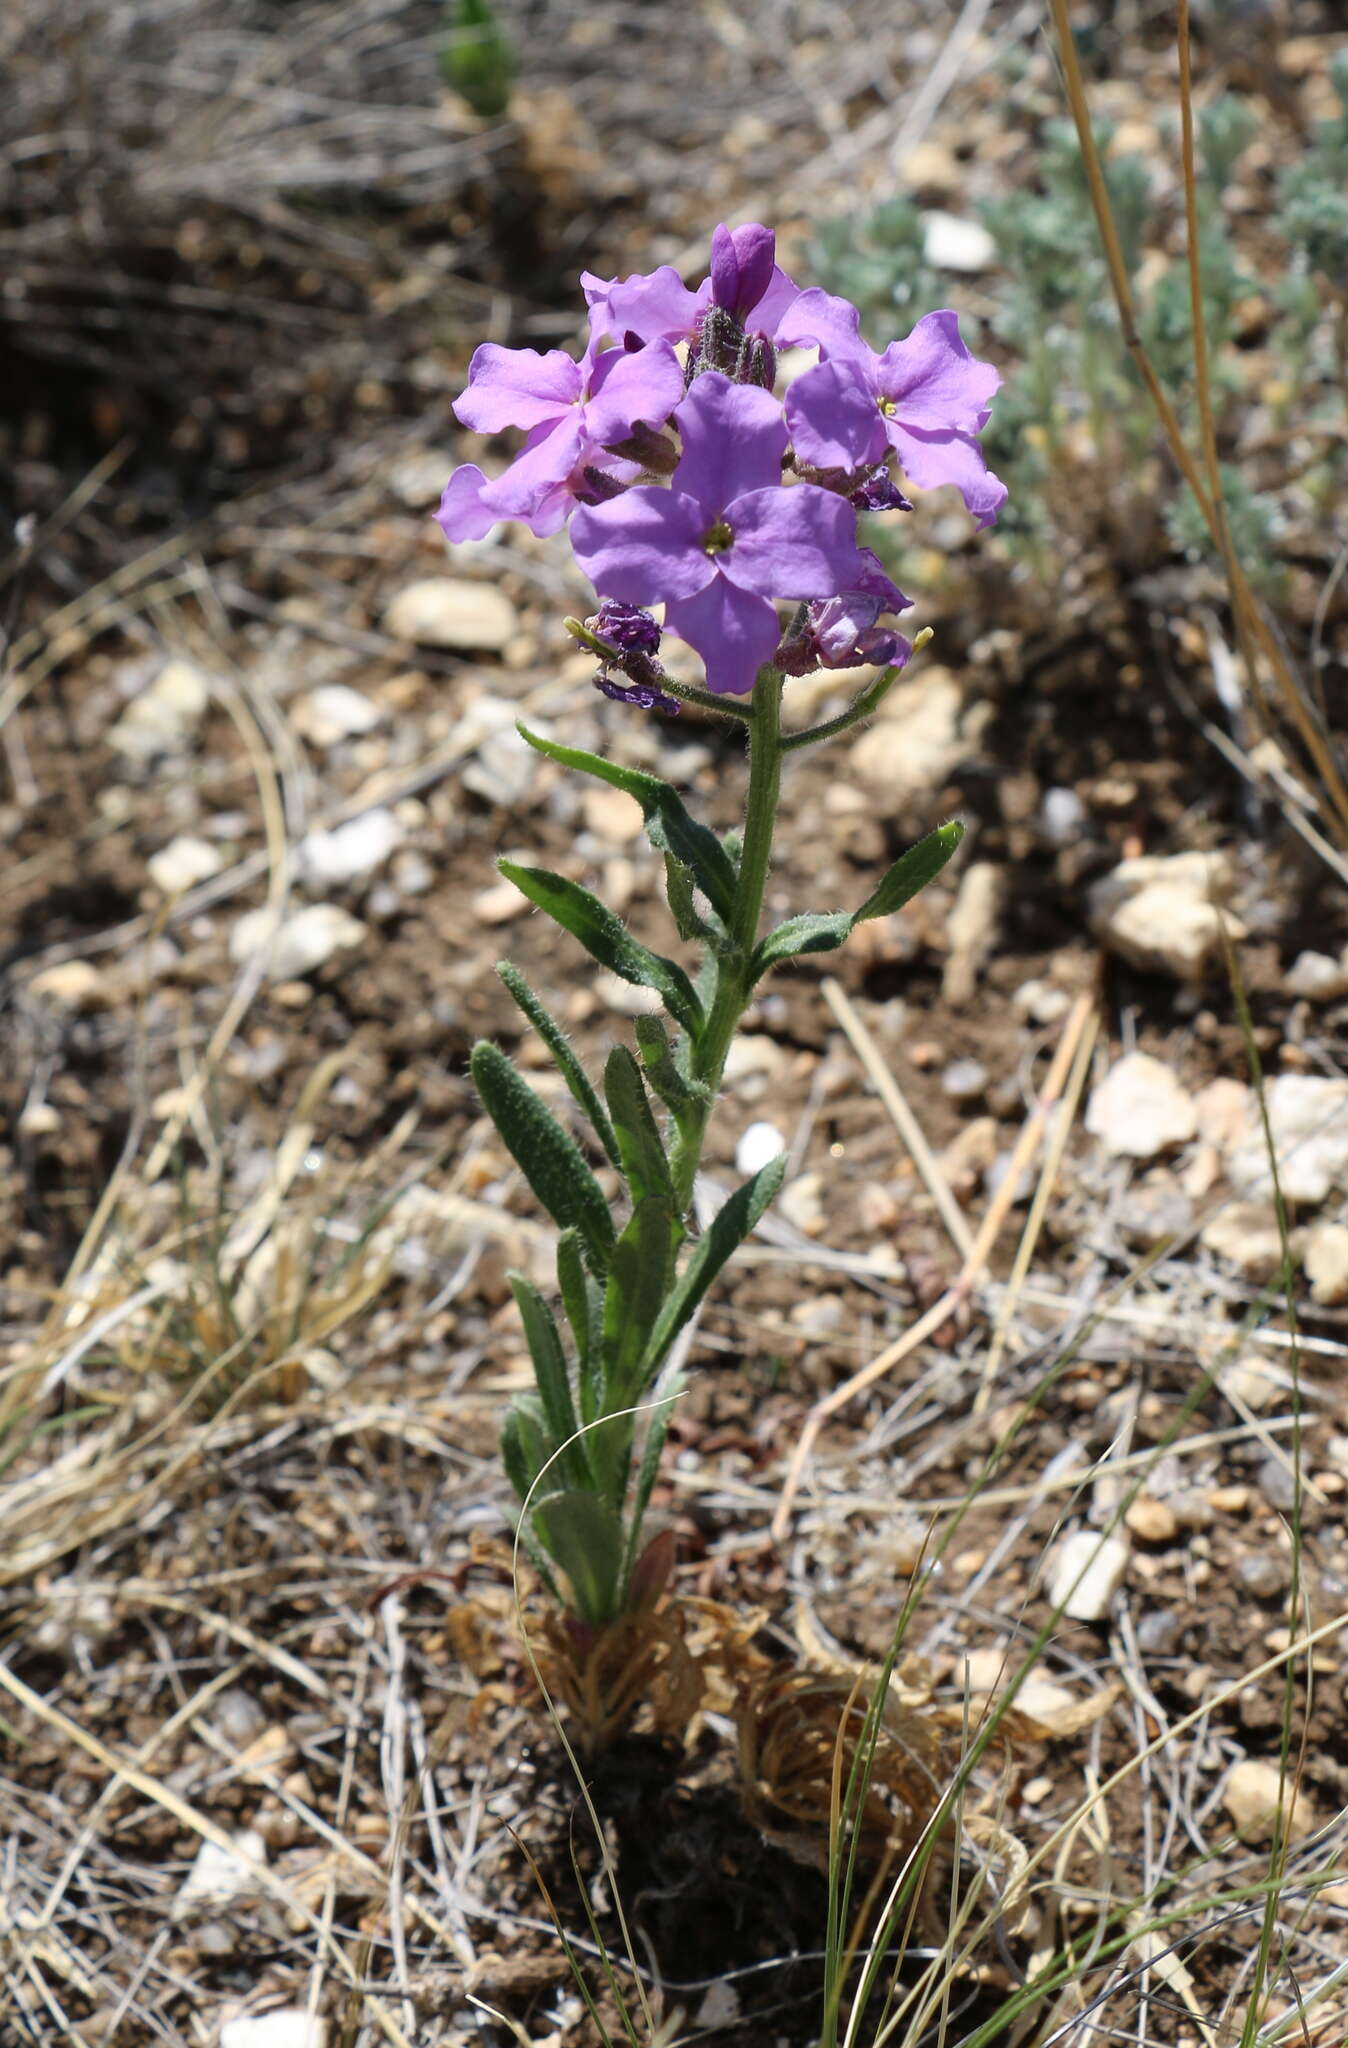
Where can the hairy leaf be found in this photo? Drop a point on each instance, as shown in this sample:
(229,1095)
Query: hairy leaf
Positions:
(643,1160)
(549,1160)
(728,1229)
(606,938)
(585,1537)
(557,1043)
(912,871)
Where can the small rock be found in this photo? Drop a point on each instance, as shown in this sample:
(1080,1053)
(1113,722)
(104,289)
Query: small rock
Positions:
(964,1080)
(504,766)
(418,480)
(499,903)
(753,1052)
(1250,1382)
(915,742)
(413,874)
(877,1210)
(1063,818)
(1099,1564)
(950,242)
(72,985)
(1157,1632)
(1317,977)
(997,1173)
(1277,1483)
(1244,1236)
(238,1717)
(1308,1121)
(819,1315)
(972,928)
(182,864)
(1151,1520)
(799,1203)
(1140,1109)
(1040,1002)
(1262,1574)
(220,1874)
(1223,1110)
(972,1150)
(758,1145)
(286,2026)
(611,814)
(303,942)
(985,1671)
(1327,1263)
(332,713)
(1156,1209)
(164,718)
(446,611)
(1229,1500)
(1252,1794)
(628,998)
(1163,913)
(347,852)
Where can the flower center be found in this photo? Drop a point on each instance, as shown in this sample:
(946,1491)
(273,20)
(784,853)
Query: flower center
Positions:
(717,538)
(887,407)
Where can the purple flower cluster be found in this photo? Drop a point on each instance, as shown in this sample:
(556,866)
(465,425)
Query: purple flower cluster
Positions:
(755,501)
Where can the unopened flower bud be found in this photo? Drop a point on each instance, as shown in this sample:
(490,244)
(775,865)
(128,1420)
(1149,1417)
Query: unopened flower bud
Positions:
(644,695)
(625,627)
(879,493)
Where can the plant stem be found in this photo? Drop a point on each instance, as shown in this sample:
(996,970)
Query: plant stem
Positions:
(734,986)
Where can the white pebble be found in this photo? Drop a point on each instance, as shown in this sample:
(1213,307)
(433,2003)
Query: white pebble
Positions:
(1088,1571)
(759,1144)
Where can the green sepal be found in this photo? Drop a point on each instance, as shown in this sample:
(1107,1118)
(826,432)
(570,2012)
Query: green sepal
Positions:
(584,1535)
(557,1043)
(669,827)
(606,938)
(552,1379)
(582,1300)
(550,1161)
(666,1071)
(912,871)
(638,1286)
(644,1165)
(728,1229)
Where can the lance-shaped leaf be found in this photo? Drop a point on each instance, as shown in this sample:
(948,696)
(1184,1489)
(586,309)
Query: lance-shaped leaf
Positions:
(582,1300)
(667,1392)
(825,931)
(669,827)
(728,1229)
(552,1380)
(606,938)
(639,1280)
(557,1043)
(549,1160)
(585,1537)
(643,1160)
(912,871)
(525,1445)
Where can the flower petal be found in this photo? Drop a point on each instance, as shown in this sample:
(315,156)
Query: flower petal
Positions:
(516,387)
(932,459)
(818,320)
(644,385)
(655,306)
(734,438)
(643,547)
(537,489)
(768,315)
(834,418)
(932,379)
(793,543)
(734,632)
(462,513)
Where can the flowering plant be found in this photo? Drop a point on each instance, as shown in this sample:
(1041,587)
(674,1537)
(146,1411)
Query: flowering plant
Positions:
(689,484)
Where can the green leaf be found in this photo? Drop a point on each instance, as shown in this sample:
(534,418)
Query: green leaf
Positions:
(557,1043)
(606,938)
(912,871)
(728,1229)
(525,1448)
(551,1378)
(644,1165)
(581,1300)
(638,1285)
(670,1080)
(549,1160)
(476,58)
(669,827)
(585,1537)
(812,932)
(671,1386)
(682,901)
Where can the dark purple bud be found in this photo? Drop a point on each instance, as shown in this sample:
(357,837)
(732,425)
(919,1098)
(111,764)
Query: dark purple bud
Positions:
(653,450)
(762,364)
(742,262)
(625,627)
(643,695)
(596,487)
(879,493)
(720,342)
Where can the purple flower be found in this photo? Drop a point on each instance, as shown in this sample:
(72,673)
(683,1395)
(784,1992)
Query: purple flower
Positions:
(844,629)
(726,537)
(573,413)
(656,306)
(644,695)
(926,398)
(626,627)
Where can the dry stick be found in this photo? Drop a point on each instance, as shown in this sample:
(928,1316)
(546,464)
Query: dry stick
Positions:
(1057,1145)
(971,1271)
(1247,611)
(907,1125)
